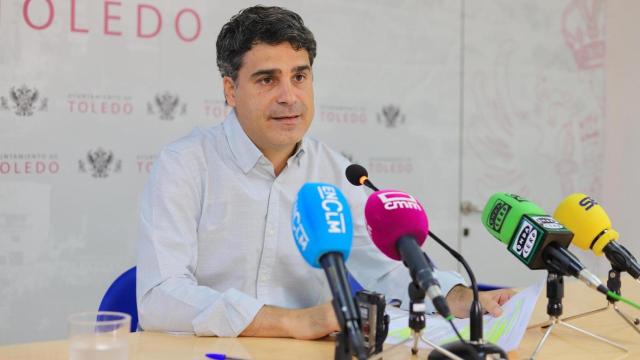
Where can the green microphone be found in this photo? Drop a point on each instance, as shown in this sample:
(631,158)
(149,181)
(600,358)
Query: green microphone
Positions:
(503,212)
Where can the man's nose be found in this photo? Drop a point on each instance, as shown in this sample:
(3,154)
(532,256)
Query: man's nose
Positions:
(286,93)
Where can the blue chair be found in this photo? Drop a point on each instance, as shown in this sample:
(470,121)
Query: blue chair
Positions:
(121,296)
(355,285)
(488,287)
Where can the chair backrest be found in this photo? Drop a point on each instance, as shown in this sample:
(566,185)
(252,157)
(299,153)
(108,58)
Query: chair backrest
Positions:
(121,296)
(355,285)
(488,287)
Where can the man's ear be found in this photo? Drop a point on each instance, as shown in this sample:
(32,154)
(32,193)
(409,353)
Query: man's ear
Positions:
(229,87)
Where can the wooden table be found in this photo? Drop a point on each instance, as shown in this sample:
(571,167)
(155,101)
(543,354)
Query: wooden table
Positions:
(562,344)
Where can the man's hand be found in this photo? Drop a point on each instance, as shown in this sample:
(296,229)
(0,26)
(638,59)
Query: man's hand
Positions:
(314,322)
(459,299)
(305,324)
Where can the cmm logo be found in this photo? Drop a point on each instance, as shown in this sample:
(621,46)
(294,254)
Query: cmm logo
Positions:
(525,240)
(391,116)
(393,200)
(99,163)
(25,101)
(166,105)
(498,215)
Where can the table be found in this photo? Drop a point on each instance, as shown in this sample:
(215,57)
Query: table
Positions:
(562,344)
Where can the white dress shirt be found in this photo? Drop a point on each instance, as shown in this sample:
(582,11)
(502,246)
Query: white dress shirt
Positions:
(216,243)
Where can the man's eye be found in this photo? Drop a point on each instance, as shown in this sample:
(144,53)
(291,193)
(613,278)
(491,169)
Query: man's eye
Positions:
(266,81)
(299,77)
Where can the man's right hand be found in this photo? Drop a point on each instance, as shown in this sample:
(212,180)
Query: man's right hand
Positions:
(313,323)
(305,324)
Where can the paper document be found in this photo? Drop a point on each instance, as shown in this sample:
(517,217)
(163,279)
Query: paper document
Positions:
(506,331)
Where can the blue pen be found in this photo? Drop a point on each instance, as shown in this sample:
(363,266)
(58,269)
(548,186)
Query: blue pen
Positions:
(216,356)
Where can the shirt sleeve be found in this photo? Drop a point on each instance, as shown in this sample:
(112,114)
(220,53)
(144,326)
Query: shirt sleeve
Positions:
(376,272)
(169,297)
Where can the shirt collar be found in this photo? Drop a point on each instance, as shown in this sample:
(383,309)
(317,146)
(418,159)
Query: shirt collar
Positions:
(243,149)
(245,152)
(301,149)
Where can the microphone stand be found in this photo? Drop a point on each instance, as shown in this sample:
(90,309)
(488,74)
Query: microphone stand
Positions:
(417,321)
(555,293)
(476,347)
(349,341)
(477,343)
(614,283)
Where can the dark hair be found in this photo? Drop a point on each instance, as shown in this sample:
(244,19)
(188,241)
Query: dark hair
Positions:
(260,24)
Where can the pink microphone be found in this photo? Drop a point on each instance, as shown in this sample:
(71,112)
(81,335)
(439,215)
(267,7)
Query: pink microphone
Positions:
(391,214)
(398,226)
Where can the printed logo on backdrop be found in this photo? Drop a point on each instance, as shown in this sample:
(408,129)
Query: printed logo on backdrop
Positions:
(23,101)
(144,163)
(100,104)
(166,106)
(390,165)
(343,115)
(583,28)
(100,163)
(111,19)
(33,164)
(391,116)
(216,109)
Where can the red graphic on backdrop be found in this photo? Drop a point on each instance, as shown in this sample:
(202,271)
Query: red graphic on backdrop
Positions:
(29,164)
(342,115)
(584,32)
(144,163)
(216,109)
(548,140)
(390,165)
(99,104)
(149,20)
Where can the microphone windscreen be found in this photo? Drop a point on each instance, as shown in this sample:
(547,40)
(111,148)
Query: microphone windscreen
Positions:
(354,173)
(503,212)
(587,220)
(391,214)
(321,222)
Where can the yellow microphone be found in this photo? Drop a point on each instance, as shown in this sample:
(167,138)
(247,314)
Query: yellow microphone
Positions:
(593,231)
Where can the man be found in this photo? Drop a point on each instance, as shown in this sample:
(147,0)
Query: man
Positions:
(216,254)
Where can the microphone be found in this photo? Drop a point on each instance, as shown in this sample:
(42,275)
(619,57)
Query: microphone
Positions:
(398,226)
(535,238)
(323,232)
(592,231)
(477,347)
(358,175)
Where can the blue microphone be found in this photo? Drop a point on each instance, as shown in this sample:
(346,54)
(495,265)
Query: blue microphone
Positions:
(323,232)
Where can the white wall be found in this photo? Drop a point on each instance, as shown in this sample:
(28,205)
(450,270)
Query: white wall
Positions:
(622,149)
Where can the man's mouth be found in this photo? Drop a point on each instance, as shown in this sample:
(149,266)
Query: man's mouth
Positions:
(286,117)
